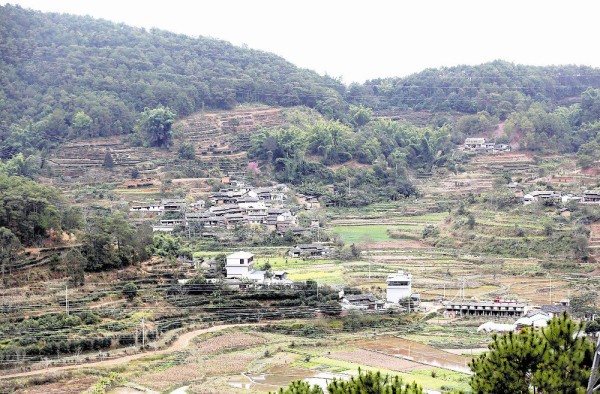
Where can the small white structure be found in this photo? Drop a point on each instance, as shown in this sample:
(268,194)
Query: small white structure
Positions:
(528,199)
(474,143)
(495,327)
(539,319)
(399,286)
(147,207)
(239,265)
(541,196)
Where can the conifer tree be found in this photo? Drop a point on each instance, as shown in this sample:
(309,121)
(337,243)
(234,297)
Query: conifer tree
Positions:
(552,360)
(364,383)
(108,161)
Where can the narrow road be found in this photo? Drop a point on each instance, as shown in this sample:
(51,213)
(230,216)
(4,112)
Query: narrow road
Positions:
(180,343)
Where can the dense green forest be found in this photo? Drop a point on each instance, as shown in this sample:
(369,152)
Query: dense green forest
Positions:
(64,76)
(498,88)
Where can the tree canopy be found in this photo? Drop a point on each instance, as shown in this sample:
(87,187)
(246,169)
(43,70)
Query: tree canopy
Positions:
(366,382)
(555,359)
(155,126)
(29,209)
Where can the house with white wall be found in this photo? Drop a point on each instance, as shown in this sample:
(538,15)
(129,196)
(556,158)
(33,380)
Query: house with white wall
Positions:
(239,265)
(399,286)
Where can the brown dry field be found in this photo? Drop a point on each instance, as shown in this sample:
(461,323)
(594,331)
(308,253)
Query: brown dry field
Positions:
(227,341)
(171,377)
(73,386)
(536,290)
(374,359)
(417,351)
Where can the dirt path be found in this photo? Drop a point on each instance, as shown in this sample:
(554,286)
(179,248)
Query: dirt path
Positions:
(180,344)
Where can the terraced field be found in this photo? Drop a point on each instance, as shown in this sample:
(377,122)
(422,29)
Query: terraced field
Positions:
(390,241)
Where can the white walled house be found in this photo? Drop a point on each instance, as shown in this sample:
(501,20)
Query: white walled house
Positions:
(147,207)
(399,286)
(239,265)
(474,143)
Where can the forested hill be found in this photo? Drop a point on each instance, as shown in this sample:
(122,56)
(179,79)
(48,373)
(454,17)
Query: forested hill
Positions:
(497,87)
(54,65)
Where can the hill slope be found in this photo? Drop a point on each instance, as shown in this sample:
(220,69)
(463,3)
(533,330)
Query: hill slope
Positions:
(498,87)
(53,66)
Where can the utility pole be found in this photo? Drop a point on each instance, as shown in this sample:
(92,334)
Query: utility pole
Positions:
(143,333)
(67,298)
(594,378)
(551,290)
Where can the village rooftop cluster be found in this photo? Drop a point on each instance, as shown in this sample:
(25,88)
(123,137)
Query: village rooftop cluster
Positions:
(236,205)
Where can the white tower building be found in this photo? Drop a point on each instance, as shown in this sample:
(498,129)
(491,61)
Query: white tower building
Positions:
(239,264)
(399,286)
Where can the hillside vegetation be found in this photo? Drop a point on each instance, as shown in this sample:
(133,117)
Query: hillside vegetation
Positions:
(498,87)
(68,76)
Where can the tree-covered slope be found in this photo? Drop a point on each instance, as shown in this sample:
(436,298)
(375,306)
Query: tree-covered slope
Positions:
(53,66)
(497,87)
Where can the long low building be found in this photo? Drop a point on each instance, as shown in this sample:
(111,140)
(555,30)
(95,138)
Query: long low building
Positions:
(463,308)
(591,196)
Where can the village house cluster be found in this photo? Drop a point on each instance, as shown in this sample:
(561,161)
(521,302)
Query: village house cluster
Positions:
(479,145)
(233,206)
(541,196)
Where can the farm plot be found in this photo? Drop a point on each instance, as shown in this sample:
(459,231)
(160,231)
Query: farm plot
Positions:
(226,342)
(271,380)
(362,234)
(68,385)
(375,359)
(170,377)
(421,353)
(323,273)
(536,290)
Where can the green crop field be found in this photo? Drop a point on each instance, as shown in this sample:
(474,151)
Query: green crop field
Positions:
(360,234)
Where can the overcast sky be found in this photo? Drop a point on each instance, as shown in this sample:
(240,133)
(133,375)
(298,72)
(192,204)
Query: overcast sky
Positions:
(359,40)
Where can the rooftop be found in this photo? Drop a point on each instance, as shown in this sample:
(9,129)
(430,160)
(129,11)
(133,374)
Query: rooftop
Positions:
(484,304)
(240,255)
(400,275)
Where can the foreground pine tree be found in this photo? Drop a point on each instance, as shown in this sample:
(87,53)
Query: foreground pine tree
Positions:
(364,383)
(552,360)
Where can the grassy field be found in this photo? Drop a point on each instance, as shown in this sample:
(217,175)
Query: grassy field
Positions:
(363,234)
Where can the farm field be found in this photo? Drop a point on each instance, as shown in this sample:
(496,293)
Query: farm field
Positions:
(247,360)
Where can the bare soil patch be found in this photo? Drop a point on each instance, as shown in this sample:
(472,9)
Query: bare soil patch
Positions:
(229,363)
(419,352)
(73,386)
(164,379)
(375,359)
(228,341)
(351,164)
